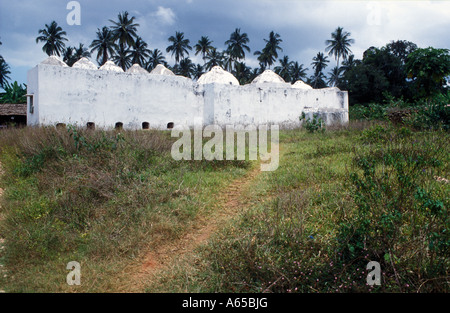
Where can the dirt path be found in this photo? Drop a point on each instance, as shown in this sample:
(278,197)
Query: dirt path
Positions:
(229,203)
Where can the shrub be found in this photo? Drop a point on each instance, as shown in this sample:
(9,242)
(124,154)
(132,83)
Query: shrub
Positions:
(316,124)
(401,219)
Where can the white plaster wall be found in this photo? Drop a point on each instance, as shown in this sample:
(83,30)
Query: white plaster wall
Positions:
(32,89)
(78,96)
(276,103)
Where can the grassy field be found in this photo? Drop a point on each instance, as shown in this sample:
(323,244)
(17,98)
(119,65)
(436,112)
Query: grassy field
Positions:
(339,199)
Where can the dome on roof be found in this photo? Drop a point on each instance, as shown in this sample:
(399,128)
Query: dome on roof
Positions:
(110,66)
(162,70)
(301,85)
(137,69)
(54,60)
(218,76)
(84,63)
(268,76)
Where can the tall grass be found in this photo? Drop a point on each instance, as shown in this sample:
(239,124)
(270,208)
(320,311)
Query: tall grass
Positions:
(338,200)
(97,197)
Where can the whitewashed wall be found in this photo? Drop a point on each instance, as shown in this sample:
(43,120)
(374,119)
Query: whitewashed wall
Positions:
(78,96)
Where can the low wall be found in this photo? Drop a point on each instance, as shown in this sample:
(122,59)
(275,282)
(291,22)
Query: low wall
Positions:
(79,96)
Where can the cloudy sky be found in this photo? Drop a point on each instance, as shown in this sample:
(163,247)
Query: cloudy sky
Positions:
(303,25)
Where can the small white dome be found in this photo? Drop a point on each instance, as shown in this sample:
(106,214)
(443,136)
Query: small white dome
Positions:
(84,63)
(162,70)
(137,69)
(268,76)
(110,66)
(218,76)
(54,60)
(301,85)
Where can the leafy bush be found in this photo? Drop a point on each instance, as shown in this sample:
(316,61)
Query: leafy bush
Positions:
(431,114)
(401,219)
(316,124)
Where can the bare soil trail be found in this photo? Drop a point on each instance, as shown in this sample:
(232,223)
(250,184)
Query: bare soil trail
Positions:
(230,202)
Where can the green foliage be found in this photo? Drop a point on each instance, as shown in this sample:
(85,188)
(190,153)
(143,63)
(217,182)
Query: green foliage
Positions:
(316,124)
(14,93)
(371,111)
(428,68)
(431,114)
(399,213)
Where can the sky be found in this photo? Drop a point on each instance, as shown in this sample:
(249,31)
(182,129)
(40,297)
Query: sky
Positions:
(303,25)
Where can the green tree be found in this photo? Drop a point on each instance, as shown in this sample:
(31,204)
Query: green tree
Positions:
(104,45)
(186,68)
(4,72)
(203,46)
(285,68)
(242,72)
(124,30)
(213,58)
(179,46)
(15,93)
(123,57)
(68,56)
(428,68)
(298,72)
(401,49)
(237,45)
(269,54)
(82,52)
(339,44)
(197,71)
(155,57)
(140,52)
(319,63)
(335,76)
(53,38)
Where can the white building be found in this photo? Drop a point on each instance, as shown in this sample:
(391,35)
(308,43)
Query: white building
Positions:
(136,99)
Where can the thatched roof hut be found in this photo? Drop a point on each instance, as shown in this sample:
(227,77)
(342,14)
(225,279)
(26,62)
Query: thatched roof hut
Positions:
(13,109)
(13,114)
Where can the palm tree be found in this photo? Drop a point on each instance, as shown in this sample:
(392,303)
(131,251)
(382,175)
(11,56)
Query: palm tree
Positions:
(186,68)
(81,52)
(214,58)
(264,58)
(140,52)
(237,44)
(203,46)
(319,63)
(197,72)
(339,44)
(317,80)
(156,57)
(124,30)
(53,38)
(68,56)
(297,72)
(242,72)
(4,72)
(335,76)
(122,57)
(284,70)
(272,46)
(179,46)
(228,61)
(104,45)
